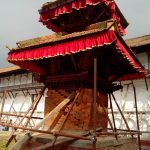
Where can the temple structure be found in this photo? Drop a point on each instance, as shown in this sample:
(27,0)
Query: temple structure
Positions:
(79,63)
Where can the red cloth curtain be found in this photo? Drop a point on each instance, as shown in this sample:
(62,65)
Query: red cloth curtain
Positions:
(28,58)
(46,16)
(67,8)
(63,48)
(127,55)
(29,65)
(140,71)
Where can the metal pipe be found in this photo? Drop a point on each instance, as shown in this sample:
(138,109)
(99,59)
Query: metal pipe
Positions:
(48,132)
(146,84)
(63,134)
(121,113)
(3,103)
(95,99)
(131,130)
(116,133)
(137,118)
(112,112)
(20,122)
(34,106)
(65,119)
(101,103)
(15,115)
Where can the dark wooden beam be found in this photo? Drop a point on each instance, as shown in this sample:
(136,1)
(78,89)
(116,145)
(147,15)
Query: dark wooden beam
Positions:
(74,63)
(70,77)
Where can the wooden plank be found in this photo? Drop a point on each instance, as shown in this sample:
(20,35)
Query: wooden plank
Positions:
(27,136)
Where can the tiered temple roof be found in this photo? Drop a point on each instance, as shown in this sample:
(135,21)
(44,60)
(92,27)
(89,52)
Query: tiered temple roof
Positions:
(71,52)
(74,15)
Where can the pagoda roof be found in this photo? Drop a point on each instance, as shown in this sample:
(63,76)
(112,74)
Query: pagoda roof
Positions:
(73,15)
(118,63)
(60,37)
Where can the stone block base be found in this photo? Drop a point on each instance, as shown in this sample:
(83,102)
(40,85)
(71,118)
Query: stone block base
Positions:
(103,143)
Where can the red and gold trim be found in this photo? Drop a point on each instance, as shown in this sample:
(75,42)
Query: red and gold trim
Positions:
(47,15)
(28,58)
(67,8)
(63,48)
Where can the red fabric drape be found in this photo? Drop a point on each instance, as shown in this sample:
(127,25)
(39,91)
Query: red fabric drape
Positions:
(27,58)
(46,16)
(140,71)
(63,48)
(67,8)
(127,55)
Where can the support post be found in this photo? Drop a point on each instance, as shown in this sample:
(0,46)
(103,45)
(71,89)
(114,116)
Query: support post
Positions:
(113,117)
(101,103)
(122,114)
(42,122)
(34,107)
(137,118)
(94,100)
(3,103)
(62,124)
(30,108)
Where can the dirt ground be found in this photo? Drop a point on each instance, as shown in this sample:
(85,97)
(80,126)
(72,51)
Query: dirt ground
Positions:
(3,139)
(4,135)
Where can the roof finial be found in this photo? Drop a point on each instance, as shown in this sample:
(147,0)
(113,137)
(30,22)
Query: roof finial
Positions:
(9,48)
